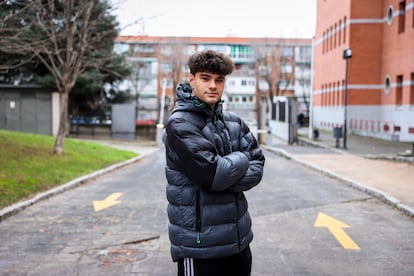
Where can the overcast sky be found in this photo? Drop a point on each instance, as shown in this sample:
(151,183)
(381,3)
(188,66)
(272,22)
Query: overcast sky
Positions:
(218,18)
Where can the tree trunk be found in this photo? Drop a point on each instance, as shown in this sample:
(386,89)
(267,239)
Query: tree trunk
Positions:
(60,138)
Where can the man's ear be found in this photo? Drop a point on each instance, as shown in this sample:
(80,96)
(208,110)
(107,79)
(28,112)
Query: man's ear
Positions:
(191,78)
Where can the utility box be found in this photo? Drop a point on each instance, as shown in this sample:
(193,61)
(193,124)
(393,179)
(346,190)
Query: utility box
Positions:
(337,132)
(29,108)
(123,121)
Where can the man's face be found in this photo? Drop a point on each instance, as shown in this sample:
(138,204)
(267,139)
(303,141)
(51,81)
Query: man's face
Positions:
(208,87)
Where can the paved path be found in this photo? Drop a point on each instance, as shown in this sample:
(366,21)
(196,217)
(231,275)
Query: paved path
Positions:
(388,180)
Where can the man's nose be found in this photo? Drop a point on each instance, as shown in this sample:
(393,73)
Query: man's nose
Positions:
(213,83)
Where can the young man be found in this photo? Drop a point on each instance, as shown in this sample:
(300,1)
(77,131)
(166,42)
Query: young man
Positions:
(212,158)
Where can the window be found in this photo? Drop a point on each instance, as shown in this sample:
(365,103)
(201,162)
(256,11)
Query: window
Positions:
(167,50)
(189,50)
(401,17)
(344,29)
(303,53)
(323,100)
(245,52)
(241,51)
(282,112)
(338,94)
(412,16)
(283,85)
(287,51)
(248,82)
(142,69)
(143,48)
(399,90)
(121,48)
(323,43)
(329,103)
(167,82)
(339,33)
(331,38)
(166,67)
(286,68)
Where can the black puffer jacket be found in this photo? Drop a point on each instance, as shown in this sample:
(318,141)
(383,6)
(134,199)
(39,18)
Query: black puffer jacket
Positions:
(212,157)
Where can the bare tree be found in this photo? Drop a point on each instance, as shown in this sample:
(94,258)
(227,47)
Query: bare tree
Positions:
(268,66)
(274,68)
(140,78)
(179,60)
(174,55)
(286,76)
(66,36)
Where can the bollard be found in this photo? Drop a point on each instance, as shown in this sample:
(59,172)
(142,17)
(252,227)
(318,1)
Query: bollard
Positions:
(160,134)
(337,134)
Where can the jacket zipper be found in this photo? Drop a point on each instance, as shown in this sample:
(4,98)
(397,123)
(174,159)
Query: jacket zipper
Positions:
(237,221)
(198,217)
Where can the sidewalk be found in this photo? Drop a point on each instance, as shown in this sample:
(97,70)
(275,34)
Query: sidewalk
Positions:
(374,166)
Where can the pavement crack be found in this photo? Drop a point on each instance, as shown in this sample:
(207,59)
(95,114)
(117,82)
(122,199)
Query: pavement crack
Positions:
(141,240)
(112,245)
(357,199)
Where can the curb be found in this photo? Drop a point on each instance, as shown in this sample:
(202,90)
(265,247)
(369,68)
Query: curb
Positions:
(379,194)
(19,206)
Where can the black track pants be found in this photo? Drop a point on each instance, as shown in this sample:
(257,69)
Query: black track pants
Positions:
(237,265)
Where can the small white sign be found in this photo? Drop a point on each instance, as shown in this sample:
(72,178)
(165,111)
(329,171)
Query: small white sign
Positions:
(12,104)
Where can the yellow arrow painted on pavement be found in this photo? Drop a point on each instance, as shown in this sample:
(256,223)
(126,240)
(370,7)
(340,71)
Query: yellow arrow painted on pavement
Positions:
(107,202)
(335,227)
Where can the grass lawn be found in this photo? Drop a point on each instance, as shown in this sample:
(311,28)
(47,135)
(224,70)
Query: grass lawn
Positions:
(28,166)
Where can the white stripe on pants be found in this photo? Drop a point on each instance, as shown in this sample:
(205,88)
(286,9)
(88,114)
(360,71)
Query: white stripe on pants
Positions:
(188,267)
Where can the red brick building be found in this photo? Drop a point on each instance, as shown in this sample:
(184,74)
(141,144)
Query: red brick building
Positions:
(380,82)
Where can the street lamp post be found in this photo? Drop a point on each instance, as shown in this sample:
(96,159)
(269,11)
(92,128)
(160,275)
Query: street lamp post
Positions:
(346,55)
(160,125)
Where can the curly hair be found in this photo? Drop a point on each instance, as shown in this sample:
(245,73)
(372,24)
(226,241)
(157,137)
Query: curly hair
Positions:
(211,62)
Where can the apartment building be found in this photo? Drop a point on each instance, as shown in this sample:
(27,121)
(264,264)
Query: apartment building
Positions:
(375,97)
(264,68)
